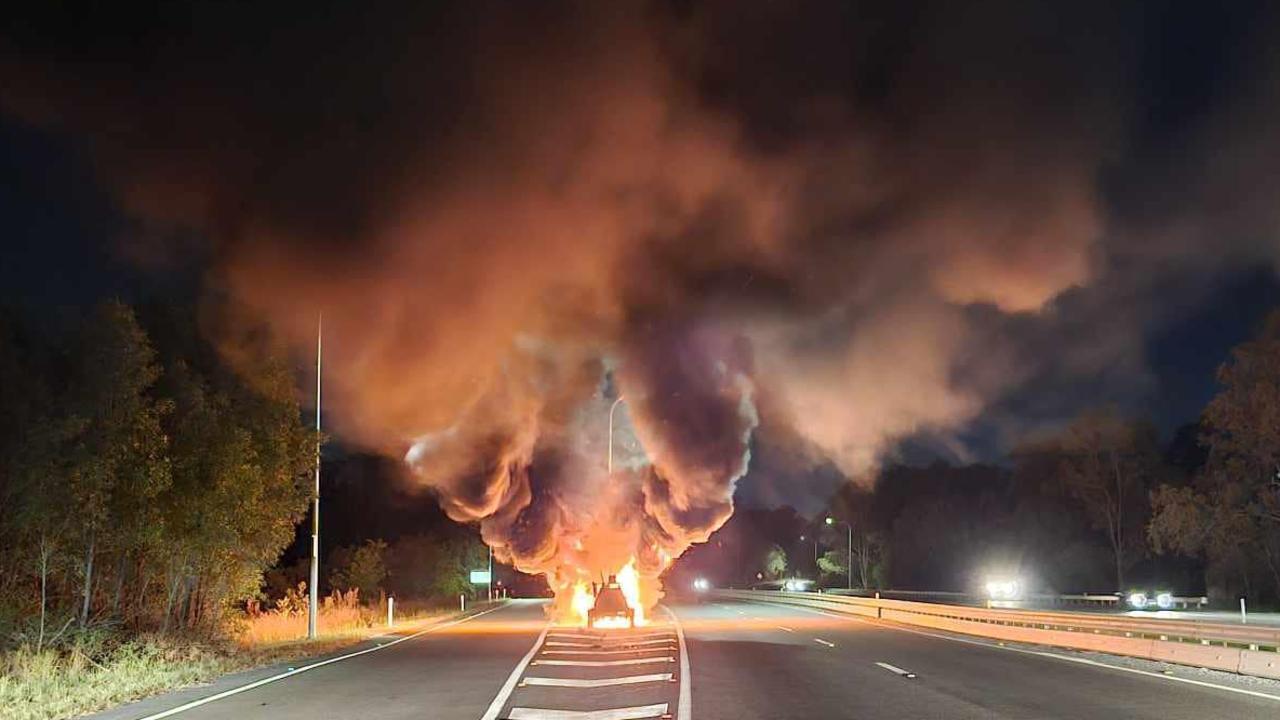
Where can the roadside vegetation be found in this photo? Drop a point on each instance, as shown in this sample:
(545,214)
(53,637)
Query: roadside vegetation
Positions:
(149,484)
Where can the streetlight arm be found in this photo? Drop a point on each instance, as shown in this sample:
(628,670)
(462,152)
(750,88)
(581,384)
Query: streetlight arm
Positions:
(612,407)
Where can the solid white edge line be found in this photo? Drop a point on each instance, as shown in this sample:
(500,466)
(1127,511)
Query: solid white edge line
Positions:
(628,713)
(504,693)
(1054,656)
(896,670)
(684,707)
(290,673)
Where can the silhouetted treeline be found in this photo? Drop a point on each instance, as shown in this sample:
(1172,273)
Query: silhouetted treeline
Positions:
(1099,505)
(142,480)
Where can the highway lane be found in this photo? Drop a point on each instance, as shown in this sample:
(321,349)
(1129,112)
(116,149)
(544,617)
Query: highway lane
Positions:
(746,660)
(452,673)
(752,660)
(506,663)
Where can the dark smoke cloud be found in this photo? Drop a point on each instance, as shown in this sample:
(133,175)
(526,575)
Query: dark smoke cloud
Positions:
(852,222)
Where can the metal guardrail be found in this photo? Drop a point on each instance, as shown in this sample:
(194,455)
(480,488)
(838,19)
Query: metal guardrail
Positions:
(1242,649)
(1038,599)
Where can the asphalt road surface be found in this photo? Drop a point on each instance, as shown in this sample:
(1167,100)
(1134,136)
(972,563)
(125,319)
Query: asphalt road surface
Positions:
(721,660)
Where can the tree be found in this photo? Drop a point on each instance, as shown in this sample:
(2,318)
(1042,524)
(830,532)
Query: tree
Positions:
(430,566)
(834,562)
(1242,420)
(140,470)
(363,567)
(241,462)
(856,505)
(36,436)
(119,462)
(775,562)
(1231,513)
(868,554)
(1105,464)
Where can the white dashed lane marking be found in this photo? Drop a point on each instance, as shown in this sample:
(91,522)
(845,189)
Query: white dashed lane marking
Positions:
(824,642)
(896,670)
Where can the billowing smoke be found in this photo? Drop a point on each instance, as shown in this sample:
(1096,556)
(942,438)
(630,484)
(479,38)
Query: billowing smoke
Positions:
(870,220)
(530,460)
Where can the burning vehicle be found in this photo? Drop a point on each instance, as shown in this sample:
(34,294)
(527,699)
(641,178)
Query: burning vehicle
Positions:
(610,608)
(614,603)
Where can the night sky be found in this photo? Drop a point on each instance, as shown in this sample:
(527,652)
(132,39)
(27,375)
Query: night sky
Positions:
(200,141)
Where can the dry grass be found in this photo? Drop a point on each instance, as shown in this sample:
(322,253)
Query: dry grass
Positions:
(95,672)
(341,617)
(85,677)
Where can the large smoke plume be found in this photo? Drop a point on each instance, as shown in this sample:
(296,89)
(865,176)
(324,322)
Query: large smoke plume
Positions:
(869,220)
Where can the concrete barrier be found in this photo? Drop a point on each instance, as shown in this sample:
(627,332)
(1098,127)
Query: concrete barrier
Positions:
(1262,664)
(1203,645)
(1205,656)
(1134,647)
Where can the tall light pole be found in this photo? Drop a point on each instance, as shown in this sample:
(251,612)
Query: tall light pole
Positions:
(849,571)
(612,407)
(815,548)
(313,600)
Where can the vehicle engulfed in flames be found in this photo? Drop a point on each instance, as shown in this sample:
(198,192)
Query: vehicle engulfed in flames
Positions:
(610,608)
(614,603)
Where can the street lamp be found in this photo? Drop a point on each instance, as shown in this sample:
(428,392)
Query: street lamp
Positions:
(849,571)
(313,598)
(815,549)
(611,409)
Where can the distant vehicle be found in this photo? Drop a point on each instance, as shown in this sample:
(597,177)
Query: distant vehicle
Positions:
(1155,600)
(610,603)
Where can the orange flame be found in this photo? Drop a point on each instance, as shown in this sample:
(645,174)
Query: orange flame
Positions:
(581,603)
(582,600)
(629,581)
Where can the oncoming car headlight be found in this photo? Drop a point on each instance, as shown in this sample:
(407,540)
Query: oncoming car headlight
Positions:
(1004,589)
(1145,600)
